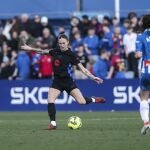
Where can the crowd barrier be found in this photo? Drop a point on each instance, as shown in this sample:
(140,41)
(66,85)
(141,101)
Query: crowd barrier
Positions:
(31,95)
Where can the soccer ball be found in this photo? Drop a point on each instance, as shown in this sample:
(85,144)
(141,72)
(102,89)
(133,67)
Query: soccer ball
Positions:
(74,122)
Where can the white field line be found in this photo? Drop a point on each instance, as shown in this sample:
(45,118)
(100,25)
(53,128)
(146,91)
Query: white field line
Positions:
(63,120)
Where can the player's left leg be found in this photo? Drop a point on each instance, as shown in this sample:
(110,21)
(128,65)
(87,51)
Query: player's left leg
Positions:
(144,111)
(77,95)
(52,96)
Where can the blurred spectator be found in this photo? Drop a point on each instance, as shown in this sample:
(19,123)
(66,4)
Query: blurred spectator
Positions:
(35,65)
(106,21)
(1,26)
(126,24)
(134,21)
(82,57)
(7,28)
(2,37)
(61,30)
(101,66)
(25,37)
(16,25)
(23,65)
(45,64)
(115,23)
(36,27)
(85,24)
(14,42)
(91,41)
(129,40)
(96,25)
(75,27)
(106,42)
(25,23)
(117,38)
(77,41)
(73,32)
(2,40)
(5,57)
(45,24)
(13,65)
(114,62)
(75,22)
(131,14)
(48,40)
(120,74)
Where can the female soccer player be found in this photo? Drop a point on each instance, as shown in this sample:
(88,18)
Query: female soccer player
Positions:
(143,50)
(62,58)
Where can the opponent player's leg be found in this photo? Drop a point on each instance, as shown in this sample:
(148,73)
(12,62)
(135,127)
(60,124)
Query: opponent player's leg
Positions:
(52,96)
(77,95)
(144,111)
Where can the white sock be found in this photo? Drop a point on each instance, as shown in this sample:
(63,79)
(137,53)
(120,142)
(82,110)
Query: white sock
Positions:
(93,100)
(53,123)
(144,110)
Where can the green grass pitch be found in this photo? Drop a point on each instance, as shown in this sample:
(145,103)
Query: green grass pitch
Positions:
(100,131)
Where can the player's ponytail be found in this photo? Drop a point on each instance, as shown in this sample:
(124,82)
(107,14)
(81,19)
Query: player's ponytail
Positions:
(63,36)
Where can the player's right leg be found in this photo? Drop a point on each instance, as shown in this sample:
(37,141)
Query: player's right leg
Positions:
(76,93)
(52,96)
(144,111)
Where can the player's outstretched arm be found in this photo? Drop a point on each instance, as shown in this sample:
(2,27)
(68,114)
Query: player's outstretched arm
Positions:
(87,73)
(37,50)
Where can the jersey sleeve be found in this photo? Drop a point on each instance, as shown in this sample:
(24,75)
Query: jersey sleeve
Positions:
(74,59)
(139,43)
(52,52)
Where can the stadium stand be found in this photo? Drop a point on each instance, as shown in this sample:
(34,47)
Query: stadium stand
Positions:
(89,38)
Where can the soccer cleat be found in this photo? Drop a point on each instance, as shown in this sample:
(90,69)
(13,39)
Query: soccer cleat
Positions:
(145,128)
(99,100)
(51,127)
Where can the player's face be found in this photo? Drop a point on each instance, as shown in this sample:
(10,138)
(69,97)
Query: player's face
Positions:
(63,44)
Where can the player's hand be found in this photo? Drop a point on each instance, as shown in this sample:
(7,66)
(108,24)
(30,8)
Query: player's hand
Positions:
(26,47)
(98,80)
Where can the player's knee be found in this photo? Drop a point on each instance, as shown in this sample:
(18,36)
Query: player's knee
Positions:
(51,101)
(82,102)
